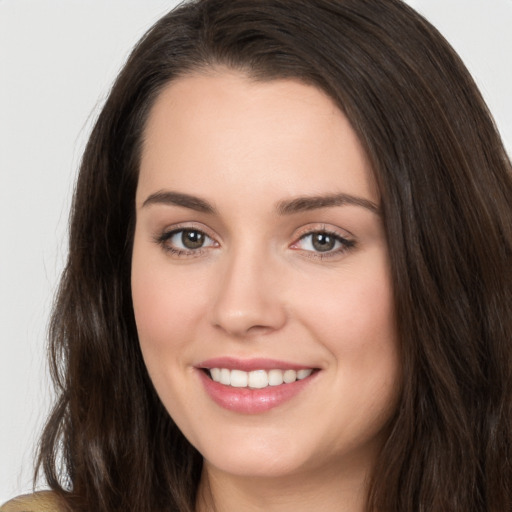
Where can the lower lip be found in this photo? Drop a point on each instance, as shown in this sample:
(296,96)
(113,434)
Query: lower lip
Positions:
(252,401)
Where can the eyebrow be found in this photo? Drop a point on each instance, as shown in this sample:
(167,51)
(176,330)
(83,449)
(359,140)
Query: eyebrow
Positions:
(306,203)
(169,197)
(288,207)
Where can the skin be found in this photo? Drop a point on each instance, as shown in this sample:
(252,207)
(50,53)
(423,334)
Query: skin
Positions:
(258,287)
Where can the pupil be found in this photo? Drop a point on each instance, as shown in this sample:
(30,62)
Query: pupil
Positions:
(192,239)
(323,242)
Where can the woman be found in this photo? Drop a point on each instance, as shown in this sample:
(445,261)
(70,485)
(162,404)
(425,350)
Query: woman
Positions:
(289,275)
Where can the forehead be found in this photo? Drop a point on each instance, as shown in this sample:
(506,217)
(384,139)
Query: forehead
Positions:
(265,135)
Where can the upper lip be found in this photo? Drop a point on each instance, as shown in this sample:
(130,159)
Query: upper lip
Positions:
(248,365)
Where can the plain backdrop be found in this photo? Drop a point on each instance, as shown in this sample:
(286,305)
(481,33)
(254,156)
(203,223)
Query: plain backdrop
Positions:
(57,61)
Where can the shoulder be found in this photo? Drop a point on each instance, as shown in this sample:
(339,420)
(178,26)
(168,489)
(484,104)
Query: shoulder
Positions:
(45,501)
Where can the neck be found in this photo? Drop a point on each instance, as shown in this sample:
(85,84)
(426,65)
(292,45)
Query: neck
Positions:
(328,490)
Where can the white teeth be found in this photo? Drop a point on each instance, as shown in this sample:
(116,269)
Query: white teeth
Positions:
(275,377)
(225,377)
(257,379)
(289,376)
(238,379)
(302,374)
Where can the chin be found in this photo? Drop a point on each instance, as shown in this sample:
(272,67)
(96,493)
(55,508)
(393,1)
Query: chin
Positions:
(253,455)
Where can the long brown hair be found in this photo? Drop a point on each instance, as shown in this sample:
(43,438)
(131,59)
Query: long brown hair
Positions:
(446,188)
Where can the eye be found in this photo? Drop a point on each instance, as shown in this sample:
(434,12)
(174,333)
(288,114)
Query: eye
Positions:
(184,242)
(323,243)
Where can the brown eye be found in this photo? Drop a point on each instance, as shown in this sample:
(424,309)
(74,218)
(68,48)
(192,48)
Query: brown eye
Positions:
(323,242)
(185,242)
(192,239)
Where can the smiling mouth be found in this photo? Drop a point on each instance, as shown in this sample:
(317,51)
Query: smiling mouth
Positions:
(256,379)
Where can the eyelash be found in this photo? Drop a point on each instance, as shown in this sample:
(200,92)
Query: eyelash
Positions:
(345,244)
(164,241)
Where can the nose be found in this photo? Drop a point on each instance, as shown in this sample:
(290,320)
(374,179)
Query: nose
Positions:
(248,298)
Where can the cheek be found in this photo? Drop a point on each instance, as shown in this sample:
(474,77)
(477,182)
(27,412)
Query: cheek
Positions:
(166,307)
(353,317)
(352,312)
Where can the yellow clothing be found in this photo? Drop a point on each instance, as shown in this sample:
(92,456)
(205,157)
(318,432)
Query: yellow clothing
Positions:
(44,501)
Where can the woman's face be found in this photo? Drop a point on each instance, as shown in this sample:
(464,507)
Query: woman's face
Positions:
(260,255)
